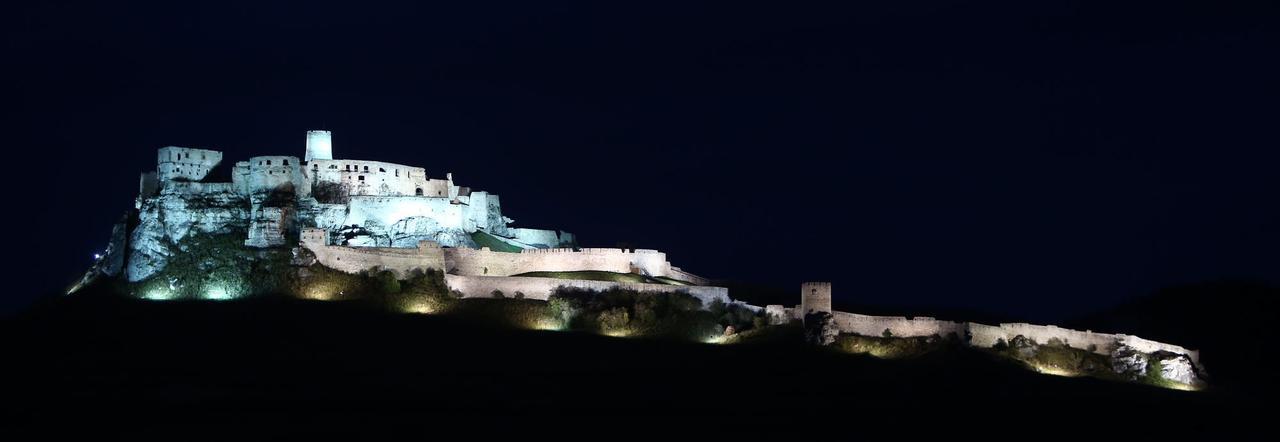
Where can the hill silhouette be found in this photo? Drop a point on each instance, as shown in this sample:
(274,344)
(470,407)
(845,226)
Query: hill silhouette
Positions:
(264,364)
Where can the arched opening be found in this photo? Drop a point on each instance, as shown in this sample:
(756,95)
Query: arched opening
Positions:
(418,191)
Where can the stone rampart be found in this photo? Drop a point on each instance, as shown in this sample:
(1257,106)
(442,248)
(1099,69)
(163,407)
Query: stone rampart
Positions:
(901,327)
(483,262)
(986,336)
(543,288)
(399,260)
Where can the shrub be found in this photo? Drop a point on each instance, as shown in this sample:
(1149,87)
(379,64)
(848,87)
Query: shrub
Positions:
(654,314)
(497,294)
(614,320)
(387,282)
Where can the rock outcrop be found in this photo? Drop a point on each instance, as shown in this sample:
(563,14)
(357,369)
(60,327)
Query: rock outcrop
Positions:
(1177,368)
(179,210)
(1129,362)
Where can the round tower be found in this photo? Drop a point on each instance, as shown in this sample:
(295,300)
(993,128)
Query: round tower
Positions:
(319,145)
(815,297)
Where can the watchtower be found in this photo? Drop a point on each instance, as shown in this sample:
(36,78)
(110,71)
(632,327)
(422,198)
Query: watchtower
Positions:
(319,145)
(815,297)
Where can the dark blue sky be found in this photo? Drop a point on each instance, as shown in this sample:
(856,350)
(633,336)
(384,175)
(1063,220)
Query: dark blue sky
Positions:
(1036,159)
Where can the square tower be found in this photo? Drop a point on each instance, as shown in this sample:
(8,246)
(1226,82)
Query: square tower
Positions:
(815,297)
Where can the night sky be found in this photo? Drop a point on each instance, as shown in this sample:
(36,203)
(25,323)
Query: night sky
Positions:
(1039,159)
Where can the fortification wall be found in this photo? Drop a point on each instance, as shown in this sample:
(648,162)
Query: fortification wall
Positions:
(401,261)
(777,314)
(1149,346)
(1101,342)
(195,188)
(677,273)
(536,237)
(466,261)
(985,336)
(543,288)
(898,326)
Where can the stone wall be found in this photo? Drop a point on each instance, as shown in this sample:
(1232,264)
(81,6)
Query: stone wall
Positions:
(901,327)
(1149,346)
(401,261)
(483,262)
(543,288)
(537,237)
(777,314)
(679,274)
(815,297)
(373,178)
(185,163)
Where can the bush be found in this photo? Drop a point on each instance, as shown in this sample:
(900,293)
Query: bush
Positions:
(387,282)
(653,314)
(614,320)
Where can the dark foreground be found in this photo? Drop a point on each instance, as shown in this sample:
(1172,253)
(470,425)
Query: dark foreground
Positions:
(262,368)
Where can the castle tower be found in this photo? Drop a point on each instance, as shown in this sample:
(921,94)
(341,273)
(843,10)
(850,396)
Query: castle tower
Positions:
(319,145)
(815,297)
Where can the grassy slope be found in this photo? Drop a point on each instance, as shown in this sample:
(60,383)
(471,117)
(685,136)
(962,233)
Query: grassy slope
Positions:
(483,239)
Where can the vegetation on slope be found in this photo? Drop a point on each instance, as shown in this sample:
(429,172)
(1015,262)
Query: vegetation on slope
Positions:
(483,239)
(885,347)
(620,312)
(216,266)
